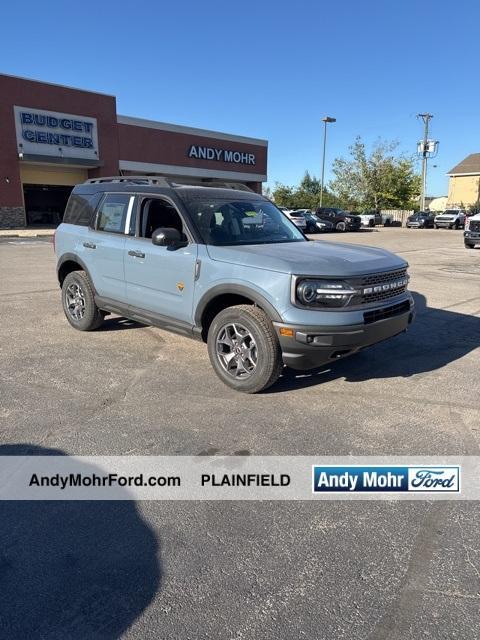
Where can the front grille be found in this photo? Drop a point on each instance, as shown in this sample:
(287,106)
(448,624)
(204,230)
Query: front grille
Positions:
(354,222)
(387,312)
(474,225)
(382,295)
(384,278)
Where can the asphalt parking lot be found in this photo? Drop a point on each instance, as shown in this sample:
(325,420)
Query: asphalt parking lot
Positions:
(250,571)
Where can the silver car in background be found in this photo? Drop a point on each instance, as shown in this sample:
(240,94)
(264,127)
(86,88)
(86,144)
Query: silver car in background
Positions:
(296,217)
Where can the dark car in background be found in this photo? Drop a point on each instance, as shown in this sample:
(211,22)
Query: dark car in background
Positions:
(421,220)
(315,225)
(339,219)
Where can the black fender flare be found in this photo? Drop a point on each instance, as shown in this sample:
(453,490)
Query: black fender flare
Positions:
(71,257)
(238,289)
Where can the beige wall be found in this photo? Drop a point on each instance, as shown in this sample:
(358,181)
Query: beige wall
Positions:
(463,190)
(60,176)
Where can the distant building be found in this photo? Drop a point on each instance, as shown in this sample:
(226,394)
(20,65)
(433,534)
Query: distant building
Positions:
(438,204)
(464,183)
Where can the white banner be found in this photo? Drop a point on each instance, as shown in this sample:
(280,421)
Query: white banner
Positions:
(239,478)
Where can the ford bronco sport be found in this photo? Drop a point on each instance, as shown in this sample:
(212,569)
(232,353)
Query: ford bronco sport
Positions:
(225,266)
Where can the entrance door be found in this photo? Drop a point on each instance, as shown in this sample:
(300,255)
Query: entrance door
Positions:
(45,204)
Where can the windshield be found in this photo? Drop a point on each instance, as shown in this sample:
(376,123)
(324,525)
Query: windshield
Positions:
(227,221)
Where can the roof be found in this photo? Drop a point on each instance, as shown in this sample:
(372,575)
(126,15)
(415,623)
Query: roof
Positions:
(469,166)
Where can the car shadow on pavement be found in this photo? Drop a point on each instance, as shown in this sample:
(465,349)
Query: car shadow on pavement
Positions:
(436,338)
(118,323)
(73,569)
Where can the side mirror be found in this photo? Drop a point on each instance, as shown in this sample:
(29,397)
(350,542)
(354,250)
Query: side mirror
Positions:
(167,237)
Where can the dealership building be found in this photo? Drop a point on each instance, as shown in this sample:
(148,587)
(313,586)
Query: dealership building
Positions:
(53,137)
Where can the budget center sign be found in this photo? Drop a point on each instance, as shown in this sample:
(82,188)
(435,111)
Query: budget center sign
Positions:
(51,133)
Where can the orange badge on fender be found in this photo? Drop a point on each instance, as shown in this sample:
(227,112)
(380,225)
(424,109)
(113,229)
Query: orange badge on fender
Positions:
(180,286)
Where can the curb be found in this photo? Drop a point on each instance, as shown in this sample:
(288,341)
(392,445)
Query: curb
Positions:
(26,235)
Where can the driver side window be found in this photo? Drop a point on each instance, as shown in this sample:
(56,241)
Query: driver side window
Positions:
(156,213)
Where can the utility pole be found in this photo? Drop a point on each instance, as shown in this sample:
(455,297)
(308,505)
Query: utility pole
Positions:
(426,117)
(325,121)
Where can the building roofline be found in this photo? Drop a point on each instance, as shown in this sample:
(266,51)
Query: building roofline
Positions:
(177,170)
(471,173)
(176,128)
(56,84)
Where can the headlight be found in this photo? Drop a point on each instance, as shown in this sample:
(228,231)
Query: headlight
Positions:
(323,293)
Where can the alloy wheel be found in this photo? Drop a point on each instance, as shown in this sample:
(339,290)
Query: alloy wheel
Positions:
(236,350)
(75,301)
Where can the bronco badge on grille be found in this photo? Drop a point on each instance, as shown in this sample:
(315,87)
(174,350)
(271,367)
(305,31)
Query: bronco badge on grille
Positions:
(380,288)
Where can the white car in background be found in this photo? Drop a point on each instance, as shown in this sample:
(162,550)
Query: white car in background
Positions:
(296,217)
(450,219)
(471,235)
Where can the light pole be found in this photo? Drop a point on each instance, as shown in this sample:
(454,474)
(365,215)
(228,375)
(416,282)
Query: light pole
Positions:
(325,121)
(426,117)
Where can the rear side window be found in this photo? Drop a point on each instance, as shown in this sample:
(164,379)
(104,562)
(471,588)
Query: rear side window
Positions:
(80,208)
(113,213)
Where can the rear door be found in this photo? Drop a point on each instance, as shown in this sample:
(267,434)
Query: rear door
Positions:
(160,280)
(105,246)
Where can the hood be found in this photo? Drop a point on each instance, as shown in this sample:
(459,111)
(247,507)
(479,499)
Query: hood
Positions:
(316,258)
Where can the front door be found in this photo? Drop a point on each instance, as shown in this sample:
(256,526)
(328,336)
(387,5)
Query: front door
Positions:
(160,279)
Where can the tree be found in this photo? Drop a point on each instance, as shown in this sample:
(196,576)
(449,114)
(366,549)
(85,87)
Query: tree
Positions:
(379,180)
(305,196)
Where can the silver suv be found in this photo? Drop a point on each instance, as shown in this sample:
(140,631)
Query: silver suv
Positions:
(450,219)
(224,266)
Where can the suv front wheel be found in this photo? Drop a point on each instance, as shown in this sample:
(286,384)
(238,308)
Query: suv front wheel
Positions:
(79,302)
(244,350)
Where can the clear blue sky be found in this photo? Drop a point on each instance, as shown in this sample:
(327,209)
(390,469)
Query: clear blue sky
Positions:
(268,69)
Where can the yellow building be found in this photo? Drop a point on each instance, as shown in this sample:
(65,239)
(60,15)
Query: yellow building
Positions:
(464,183)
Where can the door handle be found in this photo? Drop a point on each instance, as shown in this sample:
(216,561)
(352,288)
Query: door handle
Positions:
(89,245)
(136,254)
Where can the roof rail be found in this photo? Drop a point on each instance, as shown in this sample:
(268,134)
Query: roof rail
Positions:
(211,184)
(159,180)
(169,182)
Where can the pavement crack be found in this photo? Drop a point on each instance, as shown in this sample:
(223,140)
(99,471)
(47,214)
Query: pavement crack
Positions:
(400,612)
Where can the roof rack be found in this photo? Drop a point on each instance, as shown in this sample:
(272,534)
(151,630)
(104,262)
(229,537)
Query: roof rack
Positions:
(211,184)
(159,180)
(170,182)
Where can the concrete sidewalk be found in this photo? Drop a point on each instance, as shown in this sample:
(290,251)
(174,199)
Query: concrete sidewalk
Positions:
(28,232)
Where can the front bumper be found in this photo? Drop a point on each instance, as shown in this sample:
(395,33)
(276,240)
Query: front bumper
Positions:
(353,226)
(445,223)
(473,237)
(314,346)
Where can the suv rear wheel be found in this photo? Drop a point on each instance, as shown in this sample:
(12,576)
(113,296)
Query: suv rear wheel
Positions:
(244,350)
(79,302)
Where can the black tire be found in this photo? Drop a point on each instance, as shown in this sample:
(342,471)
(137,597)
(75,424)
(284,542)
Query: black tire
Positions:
(92,317)
(341,226)
(457,224)
(435,226)
(269,362)
(469,246)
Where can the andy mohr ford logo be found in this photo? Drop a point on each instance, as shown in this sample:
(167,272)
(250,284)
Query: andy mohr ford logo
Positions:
(389,479)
